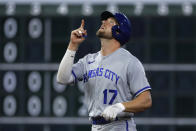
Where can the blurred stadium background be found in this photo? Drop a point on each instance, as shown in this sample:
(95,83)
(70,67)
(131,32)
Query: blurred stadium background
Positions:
(34,35)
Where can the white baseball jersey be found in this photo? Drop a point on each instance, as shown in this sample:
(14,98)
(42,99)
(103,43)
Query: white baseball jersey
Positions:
(114,78)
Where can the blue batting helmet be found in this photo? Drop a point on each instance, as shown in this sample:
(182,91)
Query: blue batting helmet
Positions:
(122,31)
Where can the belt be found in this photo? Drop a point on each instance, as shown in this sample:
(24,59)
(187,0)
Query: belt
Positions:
(99,120)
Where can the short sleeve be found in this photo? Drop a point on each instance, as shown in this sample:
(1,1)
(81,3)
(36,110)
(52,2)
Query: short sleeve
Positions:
(137,80)
(78,69)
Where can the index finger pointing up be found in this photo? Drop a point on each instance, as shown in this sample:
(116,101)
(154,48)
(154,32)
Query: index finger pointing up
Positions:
(82,24)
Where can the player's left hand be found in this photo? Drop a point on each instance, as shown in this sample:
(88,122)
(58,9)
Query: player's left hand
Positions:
(111,112)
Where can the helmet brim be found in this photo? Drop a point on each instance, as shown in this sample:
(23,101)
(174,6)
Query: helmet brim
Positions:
(106,14)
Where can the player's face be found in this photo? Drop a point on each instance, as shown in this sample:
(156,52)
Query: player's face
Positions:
(105,31)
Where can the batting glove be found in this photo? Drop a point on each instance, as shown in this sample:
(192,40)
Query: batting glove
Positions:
(111,112)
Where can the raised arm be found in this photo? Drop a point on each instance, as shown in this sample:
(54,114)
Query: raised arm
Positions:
(65,68)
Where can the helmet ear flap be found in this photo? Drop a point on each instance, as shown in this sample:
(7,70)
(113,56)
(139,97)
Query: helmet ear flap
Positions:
(116,33)
(116,28)
(120,33)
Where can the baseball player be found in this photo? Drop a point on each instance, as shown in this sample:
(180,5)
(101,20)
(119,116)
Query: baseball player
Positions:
(115,83)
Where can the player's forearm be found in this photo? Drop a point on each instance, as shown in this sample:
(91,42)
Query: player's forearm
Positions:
(140,103)
(65,67)
(72,46)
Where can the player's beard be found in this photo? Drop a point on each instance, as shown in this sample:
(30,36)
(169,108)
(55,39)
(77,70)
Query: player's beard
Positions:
(103,34)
